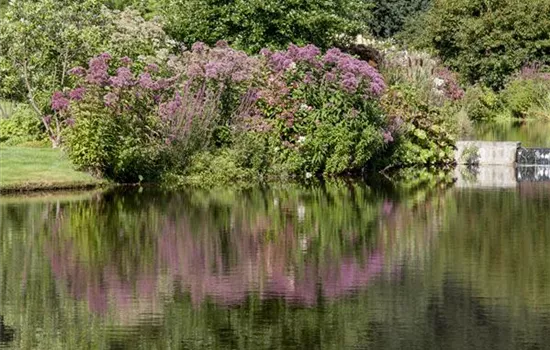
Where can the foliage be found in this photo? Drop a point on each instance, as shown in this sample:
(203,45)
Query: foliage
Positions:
(139,122)
(389,16)
(323,109)
(527,94)
(21,126)
(41,41)
(252,25)
(424,134)
(481,103)
(137,38)
(484,40)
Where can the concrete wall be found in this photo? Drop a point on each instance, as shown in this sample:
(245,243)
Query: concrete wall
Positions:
(486,152)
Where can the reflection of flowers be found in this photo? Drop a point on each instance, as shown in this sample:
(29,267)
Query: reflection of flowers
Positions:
(208,266)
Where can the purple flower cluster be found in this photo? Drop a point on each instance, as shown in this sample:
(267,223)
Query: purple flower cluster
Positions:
(126,61)
(351,74)
(220,63)
(170,109)
(451,89)
(78,71)
(77,94)
(59,101)
(98,70)
(123,78)
(283,60)
(145,81)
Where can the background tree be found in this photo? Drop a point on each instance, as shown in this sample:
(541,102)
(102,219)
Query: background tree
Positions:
(254,24)
(485,40)
(389,16)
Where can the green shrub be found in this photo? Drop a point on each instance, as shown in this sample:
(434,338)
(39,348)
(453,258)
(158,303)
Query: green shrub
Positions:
(21,126)
(481,103)
(424,135)
(485,40)
(254,24)
(523,97)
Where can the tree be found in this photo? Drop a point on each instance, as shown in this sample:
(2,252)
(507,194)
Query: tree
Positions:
(40,42)
(486,40)
(254,24)
(389,16)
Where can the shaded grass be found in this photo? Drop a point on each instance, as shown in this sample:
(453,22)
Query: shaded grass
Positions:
(26,169)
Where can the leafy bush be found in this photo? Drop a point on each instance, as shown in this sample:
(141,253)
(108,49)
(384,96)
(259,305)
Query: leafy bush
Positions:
(41,41)
(253,24)
(481,103)
(424,135)
(21,126)
(323,109)
(138,122)
(527,94)
(484,40)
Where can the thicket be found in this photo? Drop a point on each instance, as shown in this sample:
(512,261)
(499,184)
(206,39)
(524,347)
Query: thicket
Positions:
(251,25)
(388,17)
(485,40)
(290,113)
(41,41)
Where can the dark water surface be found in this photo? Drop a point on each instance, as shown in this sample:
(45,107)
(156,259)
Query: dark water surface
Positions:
(339,266)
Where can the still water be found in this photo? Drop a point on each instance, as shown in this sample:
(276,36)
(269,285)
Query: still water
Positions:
(333,266)
(530,133)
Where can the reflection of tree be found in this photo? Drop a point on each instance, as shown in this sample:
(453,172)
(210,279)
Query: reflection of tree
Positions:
(337,266)
(499,240)
(276,244)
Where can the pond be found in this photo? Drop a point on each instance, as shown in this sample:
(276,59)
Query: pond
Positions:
(332,266)
(529,133)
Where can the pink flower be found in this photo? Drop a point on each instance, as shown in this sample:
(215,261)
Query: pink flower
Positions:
(59,101)
(47,119)
(152,67)
(146,82)
(77,94)
(123,78)
(198,47)
(97,72)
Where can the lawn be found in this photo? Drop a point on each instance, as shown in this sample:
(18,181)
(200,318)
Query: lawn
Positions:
(40,168)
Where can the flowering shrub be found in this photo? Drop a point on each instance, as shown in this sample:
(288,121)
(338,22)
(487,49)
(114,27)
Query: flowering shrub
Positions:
(423,134)
(130,123)
(323,108)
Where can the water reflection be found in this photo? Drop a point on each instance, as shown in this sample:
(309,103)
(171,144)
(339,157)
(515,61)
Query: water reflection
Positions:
(530,133)
(334,266)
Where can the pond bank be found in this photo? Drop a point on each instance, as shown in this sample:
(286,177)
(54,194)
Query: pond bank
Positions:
(36,169)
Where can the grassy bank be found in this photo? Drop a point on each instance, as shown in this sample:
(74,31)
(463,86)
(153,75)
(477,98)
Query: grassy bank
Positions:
(27,169)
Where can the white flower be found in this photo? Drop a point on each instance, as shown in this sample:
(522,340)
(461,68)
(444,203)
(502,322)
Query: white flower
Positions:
(438,82)
(301,139)
(308,175)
